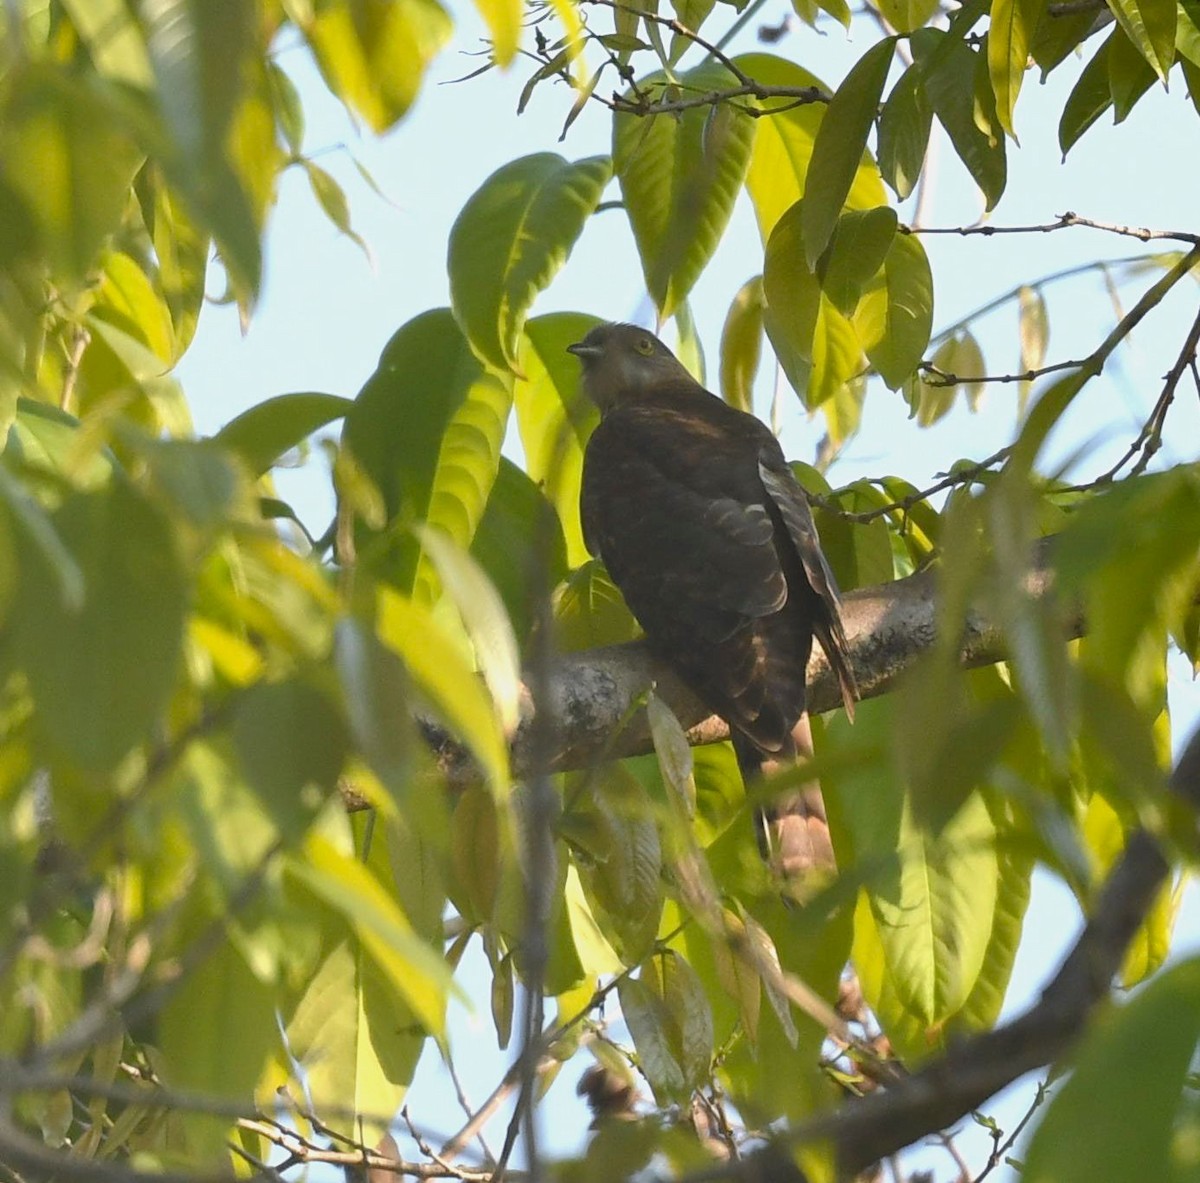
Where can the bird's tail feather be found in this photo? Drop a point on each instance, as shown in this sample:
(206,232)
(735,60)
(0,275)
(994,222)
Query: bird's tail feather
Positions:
(793,831)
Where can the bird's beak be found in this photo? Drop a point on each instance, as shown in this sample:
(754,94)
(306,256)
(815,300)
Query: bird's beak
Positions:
(583,350)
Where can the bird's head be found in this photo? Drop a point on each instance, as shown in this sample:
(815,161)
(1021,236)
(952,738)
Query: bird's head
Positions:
(623,363)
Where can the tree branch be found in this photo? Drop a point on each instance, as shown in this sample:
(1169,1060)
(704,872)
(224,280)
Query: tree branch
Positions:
(592,697)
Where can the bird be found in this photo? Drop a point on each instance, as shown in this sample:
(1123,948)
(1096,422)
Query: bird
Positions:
(700,522)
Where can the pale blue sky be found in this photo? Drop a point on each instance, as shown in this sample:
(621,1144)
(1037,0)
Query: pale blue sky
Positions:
(326,313)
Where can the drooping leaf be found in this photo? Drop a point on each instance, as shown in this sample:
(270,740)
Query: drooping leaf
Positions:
(948,69)
(270,429)
(291,744)
(216,1033)
(101,672)
(373,54)
(443,673)
(904,125)
(519,543)
(895,315)
(486,622)
(840,144)
(1090,97)
(860,243)
(510,239)
(783,146)
(503,19)
(554,417)
(679,176)
(1150,25)
(815,343)
(200,54)
(906,15)
(741,344)
(426,429)
(1010,35)
(66,158)
(1129,75)
(411,966)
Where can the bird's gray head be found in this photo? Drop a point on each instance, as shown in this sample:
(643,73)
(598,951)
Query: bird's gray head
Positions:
(622,363)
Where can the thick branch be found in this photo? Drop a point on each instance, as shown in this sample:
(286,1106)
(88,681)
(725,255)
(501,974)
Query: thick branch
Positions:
(591,695)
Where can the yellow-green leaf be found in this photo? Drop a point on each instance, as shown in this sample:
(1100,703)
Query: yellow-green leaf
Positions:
(509,241)
(503,19)
(895,315)
(1010,35)
(783,146)
(840,144)
(1150,25)
(373,53)
(741,344)
(679,177)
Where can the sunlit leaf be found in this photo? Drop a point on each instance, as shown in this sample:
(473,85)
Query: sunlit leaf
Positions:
(270,429)
(101,673)
(503,19)
(411,966)
(860,243)
(1150,25)
(679,176)
(373,53)
(510,239)
(895,315)
(426,429)
(948,70)
(554,417)
(741,344)
(840,144)
(1010,34)
(783,146)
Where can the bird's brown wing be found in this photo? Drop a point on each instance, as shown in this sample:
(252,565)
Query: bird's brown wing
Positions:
(789,499)
(698,566)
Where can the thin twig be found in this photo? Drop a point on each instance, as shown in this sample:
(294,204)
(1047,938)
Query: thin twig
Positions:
(1062,222)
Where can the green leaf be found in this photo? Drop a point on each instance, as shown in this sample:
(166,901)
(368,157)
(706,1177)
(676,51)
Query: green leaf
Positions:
(741,344)
(520,544)
(1126,1113)
(332,199)
(114,41)
(270,429)
(1058,35)
(200,52)
(373,53)
(1129,77)
(904,125)
(679,176)
(589,611)
(192,477)
(1090,97)
(815,344)
(929,898)
(783,146)
(856,252)
(509,241)
(427,429)
(1010,35)
(555,418)
(671,1024)
(410,966)
(31,524)
(960,359)
(65,154)
(216,1033)
(475,855)
(485,620)
(291,744)
(127,298)
(948,68)
(378,704)
(906,15)
(895,316)
(444,675)
(840,144)
(102,673)
(1150,25)
(354,1037)
(503,19)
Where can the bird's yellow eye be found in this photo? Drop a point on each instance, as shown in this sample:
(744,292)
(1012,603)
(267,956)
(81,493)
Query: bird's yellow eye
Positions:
(644,346)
